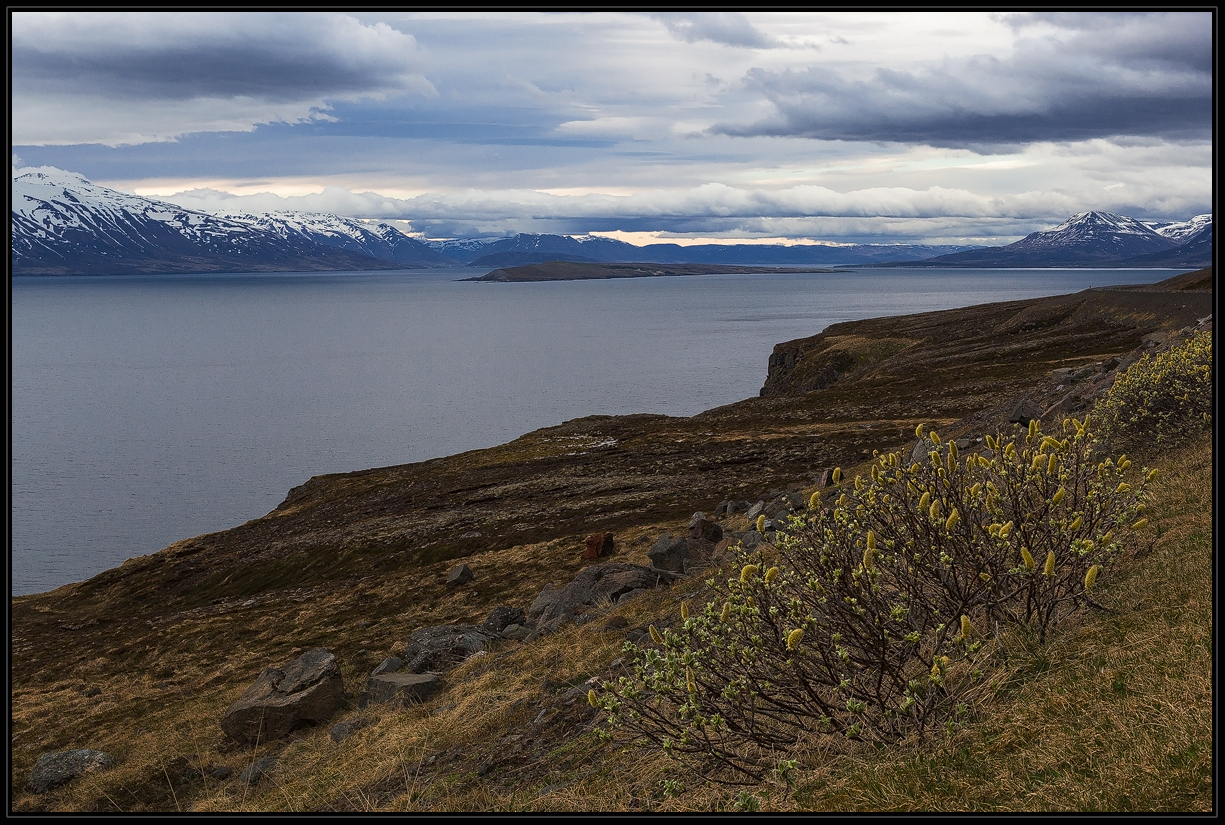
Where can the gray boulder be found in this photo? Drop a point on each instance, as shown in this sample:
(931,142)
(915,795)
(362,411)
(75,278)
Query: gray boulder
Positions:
(442,647)
(502,617)
(258,770)
(669,553)
(343,730)
(400,688)
(459,575)
(597,585)
(306,692)
(54,769)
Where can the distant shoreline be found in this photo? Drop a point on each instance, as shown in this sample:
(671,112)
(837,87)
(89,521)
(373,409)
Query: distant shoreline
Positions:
(584,271)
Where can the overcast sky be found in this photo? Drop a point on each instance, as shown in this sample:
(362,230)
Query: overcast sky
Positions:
(844,127)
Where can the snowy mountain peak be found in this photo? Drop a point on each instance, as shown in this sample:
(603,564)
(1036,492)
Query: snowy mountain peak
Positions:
(1182,231)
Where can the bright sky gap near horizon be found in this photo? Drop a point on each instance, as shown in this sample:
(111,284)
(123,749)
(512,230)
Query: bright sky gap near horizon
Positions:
(844,127)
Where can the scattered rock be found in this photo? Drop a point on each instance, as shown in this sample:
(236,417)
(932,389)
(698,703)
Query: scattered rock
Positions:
(306,692)
(389,665)
(701,528)
(459,575)
(598,544)
(400,688)
(258,770)
(343,730)
(1024,412)
(595,585)
(669,552)
(503,617)
(442,647)
(54,769)
(516,631)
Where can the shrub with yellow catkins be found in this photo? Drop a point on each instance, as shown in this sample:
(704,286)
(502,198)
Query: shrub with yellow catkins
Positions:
(1161,399)
(892,582)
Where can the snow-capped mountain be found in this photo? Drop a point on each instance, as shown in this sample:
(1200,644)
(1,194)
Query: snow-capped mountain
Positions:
(1089,238)
(63,224)
(378,240)
(1182,231)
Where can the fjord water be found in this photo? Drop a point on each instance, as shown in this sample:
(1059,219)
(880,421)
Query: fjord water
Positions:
(154,408)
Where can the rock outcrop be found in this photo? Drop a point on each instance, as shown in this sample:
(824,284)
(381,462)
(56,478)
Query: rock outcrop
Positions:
(306,692)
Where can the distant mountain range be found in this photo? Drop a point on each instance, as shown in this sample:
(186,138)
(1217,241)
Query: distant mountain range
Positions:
(65,225)
(1097,239)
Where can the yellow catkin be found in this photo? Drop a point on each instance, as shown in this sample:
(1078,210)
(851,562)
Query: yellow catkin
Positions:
(690,682)
(1052,465)
(761,524)
(918,431)
(843,500)
(1139,525)
(1010,452)
(858,482)
(954,517)
(1123,487)
(985,576)
(655,636)
(1076,522)
(875,474)
(771,574)
(794,637)
(1152,474)
(925,501)
(965,627)
(1005,530)
(837,476)
(749,571)
(727,609)
(869,558)
(871,540)
(952,452)
(1058,497)
(1028,558)
(1037,463)
(684,610)
(1033,428)
(1091,577)
(935,438)
(934,512)
(1049,567)
(591,698)
(814,501)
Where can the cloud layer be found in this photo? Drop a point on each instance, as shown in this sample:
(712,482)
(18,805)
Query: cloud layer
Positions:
(838,126)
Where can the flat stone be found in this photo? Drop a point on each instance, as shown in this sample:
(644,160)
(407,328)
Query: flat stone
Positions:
(400,688)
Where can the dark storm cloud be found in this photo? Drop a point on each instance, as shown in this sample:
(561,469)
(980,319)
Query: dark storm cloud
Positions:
(1100,77)
(182,57)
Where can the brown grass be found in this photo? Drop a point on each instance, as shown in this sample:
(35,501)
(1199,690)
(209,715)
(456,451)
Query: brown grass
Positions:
(1113,714)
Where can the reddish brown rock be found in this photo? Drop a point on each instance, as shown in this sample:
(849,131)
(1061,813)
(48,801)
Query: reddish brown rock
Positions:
(598,544)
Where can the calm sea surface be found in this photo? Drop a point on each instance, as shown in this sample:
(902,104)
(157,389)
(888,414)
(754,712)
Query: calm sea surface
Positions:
(154,408)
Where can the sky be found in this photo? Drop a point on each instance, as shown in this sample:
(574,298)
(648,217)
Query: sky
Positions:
(795,127)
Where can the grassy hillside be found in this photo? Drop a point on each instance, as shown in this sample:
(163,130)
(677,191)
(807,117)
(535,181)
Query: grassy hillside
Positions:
(1113,713)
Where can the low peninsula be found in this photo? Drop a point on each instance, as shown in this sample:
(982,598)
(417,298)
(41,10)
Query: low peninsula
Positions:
(591,270)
